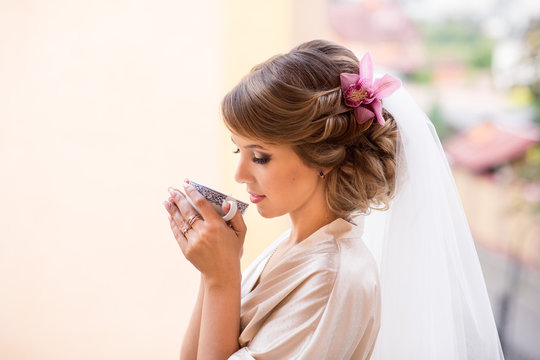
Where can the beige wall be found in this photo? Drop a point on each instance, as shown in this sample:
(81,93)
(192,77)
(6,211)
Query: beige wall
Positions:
(254,31)
(103,105)
(98,114)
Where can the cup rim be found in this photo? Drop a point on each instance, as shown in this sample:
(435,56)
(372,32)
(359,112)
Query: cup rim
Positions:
(219,192)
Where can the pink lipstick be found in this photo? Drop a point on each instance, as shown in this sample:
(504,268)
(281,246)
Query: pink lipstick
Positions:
(256,198)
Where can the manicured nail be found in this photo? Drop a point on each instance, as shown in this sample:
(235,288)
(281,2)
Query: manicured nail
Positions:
(226,204)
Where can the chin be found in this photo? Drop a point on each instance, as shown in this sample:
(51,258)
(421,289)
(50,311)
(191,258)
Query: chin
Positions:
(268,213)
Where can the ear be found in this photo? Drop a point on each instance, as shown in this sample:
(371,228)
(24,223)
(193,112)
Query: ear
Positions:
(324,171)
(328,169)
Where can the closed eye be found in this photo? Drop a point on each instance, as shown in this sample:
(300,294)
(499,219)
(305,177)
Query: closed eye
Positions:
(262,160)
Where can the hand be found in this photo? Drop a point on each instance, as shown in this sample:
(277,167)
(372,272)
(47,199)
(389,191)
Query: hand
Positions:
(211,245)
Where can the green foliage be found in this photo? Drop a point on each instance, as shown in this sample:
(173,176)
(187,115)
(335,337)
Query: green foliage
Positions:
(532,44)
(536,105)
(444,131)
(421,77)
(458,40)
(528,168)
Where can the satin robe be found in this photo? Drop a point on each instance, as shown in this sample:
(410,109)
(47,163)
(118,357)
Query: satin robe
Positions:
(321,301)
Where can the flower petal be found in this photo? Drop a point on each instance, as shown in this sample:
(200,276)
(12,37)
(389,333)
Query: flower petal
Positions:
(376,106)
(385,86)
(366,69)
(347,80)
(362,114)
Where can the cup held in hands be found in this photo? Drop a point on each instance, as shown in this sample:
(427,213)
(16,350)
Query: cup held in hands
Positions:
(216,199)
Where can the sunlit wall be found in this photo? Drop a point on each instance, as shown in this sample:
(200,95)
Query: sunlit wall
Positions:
(103,105)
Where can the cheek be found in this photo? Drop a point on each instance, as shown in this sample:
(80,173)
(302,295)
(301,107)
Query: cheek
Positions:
(291,185)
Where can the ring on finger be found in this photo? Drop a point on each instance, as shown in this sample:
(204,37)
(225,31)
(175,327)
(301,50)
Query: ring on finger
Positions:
(193,218)
(186,229)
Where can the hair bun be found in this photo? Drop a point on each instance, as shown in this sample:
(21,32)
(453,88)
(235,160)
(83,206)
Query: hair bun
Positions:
(296,99)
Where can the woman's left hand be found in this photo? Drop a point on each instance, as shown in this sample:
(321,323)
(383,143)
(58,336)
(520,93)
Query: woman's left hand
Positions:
(211,245)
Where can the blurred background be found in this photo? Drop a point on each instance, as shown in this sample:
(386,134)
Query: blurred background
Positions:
(105,104)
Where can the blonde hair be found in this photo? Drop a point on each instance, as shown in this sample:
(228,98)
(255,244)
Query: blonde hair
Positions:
(296,99)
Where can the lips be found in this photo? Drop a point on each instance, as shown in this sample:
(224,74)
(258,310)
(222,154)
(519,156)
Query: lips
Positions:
(255,198)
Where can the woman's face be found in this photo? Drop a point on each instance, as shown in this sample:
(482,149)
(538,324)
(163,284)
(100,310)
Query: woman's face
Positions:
(277,180)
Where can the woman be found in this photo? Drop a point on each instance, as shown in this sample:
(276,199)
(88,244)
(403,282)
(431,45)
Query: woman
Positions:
(343,282)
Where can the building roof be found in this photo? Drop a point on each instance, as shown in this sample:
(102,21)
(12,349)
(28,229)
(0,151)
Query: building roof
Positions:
(487,145)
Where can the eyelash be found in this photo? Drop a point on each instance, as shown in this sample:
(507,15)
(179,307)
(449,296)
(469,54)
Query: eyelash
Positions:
(255,159)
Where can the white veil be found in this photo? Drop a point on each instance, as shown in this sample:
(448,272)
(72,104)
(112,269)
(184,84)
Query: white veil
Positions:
(434,299)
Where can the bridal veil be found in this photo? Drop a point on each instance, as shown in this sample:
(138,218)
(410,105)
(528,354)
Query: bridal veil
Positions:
(434,299)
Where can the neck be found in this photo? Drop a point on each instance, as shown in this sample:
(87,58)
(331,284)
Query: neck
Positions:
(309,218)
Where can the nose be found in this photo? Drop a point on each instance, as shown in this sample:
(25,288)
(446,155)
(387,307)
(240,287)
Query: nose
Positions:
(242,174)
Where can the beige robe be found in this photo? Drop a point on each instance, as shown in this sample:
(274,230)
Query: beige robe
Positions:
(321,301)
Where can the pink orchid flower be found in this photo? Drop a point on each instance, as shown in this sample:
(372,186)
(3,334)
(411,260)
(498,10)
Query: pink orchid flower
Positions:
(364,94)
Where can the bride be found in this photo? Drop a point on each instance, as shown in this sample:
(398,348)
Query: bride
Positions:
(379,262)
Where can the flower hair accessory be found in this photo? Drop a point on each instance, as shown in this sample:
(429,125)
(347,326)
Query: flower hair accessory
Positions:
(363,94)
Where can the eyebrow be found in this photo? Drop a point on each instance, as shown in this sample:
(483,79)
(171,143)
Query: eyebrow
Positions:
(252,146)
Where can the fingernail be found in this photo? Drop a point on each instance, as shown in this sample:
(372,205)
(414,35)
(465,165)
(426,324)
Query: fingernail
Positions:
(225,204)
(166,204)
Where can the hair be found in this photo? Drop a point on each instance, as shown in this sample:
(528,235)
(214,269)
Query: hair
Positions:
(296,99)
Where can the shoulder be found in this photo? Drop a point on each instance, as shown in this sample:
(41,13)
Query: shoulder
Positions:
(343,241)
(341,252)
(357,270)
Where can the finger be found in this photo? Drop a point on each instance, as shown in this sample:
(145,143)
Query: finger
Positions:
(206,210)
(180,238)
(225,206)
(237,222)
(171,207)
(175,214)
(185,208)
(176,197)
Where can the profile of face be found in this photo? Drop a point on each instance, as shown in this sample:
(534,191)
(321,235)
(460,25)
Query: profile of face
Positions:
(277,179)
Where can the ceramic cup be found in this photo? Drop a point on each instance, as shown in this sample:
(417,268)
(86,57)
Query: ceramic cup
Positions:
(216,199)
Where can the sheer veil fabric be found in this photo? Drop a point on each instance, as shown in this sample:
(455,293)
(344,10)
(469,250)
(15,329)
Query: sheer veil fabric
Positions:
(434,298)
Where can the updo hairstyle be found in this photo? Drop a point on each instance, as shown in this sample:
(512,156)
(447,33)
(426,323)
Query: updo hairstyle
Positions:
(296,99)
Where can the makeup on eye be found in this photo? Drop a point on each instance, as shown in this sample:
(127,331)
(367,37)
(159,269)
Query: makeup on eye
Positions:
(263,159)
